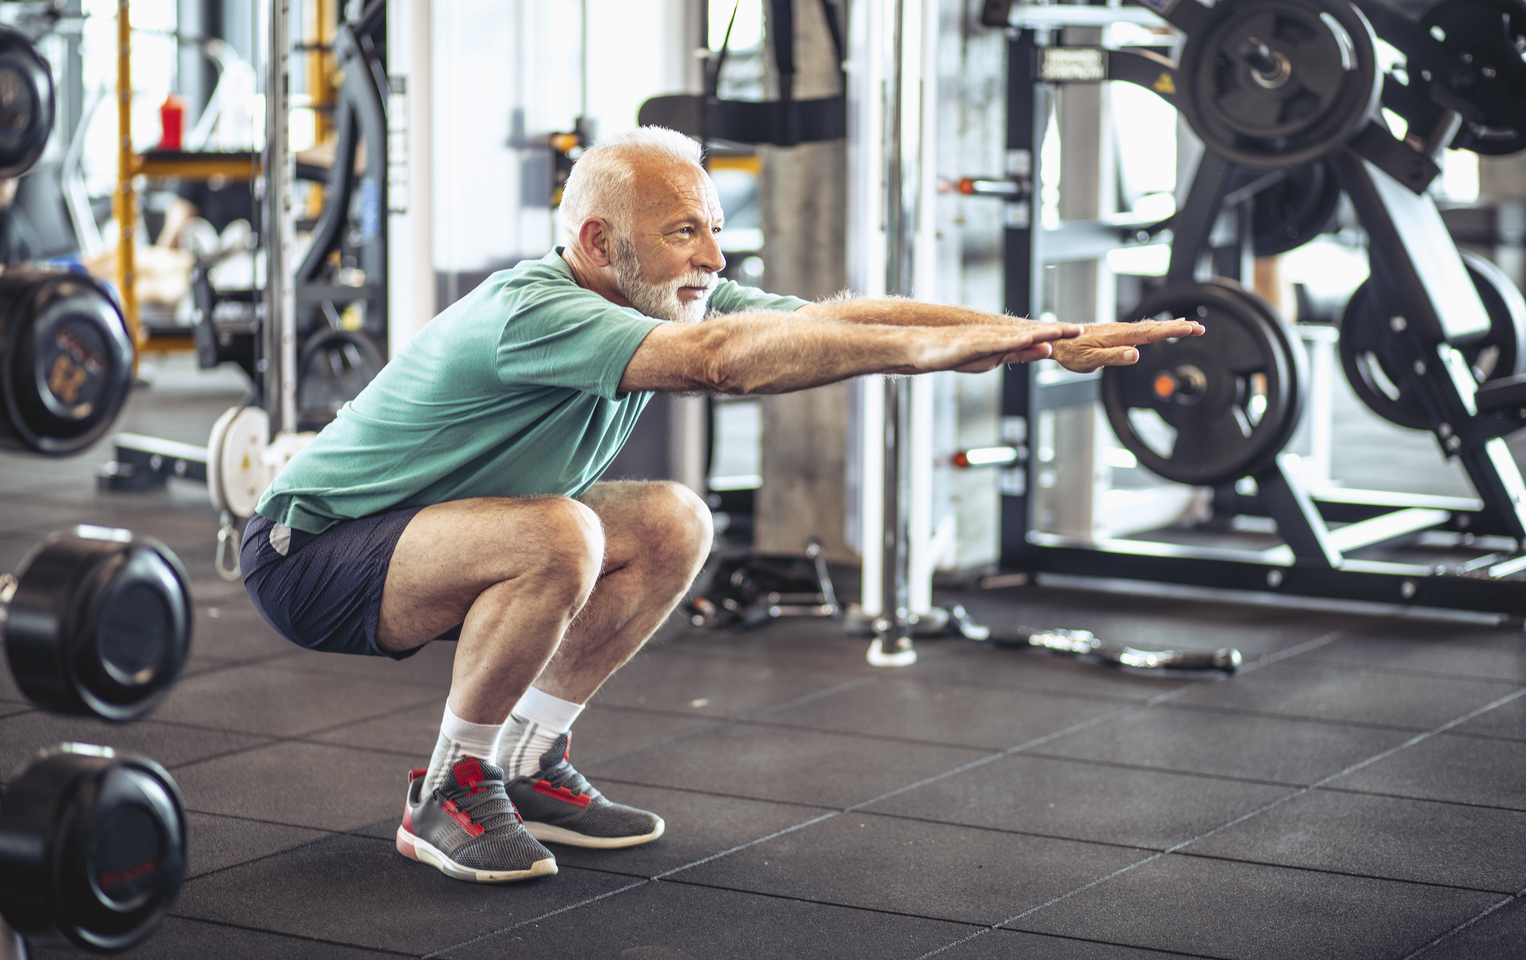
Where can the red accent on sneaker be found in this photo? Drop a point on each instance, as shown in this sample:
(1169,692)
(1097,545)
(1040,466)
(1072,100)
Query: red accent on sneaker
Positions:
(468,772)
(544,788)
(567,750)
(458,815)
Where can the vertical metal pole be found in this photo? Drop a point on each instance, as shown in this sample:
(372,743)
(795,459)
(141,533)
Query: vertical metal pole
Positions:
(892,629)
(125,202)
(280,330)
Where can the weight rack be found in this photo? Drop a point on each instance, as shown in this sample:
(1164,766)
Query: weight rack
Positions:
(1314,559)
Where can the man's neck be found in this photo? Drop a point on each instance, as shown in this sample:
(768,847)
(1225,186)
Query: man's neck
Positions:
(590,277)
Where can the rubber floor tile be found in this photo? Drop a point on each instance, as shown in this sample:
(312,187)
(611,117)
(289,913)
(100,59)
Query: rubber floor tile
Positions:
(215,843)
(298,784)
(716,686)
(1016,945)
(1451,768)
(234,632)
(773,763)
(904,866)
(1507,722)
(1372,836)
(427,670)
(810,643)
(1325,691)
(1082,801)
(1250,912)
(1225,744)
(672,921)
(362,892)
(1499,934)
(178,938)
(265,699)
(949,712)
(698,826)
(1437,647)
(23,735)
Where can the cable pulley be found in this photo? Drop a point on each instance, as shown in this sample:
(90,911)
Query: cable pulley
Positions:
(1210,409)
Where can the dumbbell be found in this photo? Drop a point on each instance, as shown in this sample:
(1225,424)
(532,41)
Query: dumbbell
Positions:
(66,360)
(92,848)
(96,621)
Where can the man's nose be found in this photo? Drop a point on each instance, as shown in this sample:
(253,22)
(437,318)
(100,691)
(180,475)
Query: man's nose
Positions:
(710,258)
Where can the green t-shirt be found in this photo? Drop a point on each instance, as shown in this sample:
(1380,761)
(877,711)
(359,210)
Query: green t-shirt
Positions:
(512,391)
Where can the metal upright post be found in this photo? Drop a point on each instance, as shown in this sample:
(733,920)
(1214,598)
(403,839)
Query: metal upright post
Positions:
(892,629)
(280,327)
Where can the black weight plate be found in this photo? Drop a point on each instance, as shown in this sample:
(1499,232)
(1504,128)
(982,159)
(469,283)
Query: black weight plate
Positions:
(65,361)
(334,367)
(1381,378)
(1278,83)
(26,104)
(1295,210)
(100,623)
(1491,37)
(97,848)
(1210,409)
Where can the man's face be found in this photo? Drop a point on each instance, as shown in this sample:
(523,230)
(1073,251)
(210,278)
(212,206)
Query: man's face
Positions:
(666,265)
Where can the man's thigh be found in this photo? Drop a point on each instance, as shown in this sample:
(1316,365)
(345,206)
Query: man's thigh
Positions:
(451,552)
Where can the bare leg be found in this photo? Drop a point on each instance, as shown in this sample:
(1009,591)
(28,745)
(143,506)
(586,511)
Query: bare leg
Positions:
(512,572)
(657,536)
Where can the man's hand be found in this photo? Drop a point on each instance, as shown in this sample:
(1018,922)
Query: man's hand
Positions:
(974,349)
(1112,344)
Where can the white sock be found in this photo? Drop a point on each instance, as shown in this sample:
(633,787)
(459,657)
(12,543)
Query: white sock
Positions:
(458,738)
(533,727)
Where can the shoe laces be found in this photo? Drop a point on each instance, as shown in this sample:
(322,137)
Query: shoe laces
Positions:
(485,803)
(564,775)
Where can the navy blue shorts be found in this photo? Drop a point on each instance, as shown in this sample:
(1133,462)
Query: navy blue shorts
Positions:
(323,591)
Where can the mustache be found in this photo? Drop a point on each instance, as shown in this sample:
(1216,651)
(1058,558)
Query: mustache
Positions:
(704,281)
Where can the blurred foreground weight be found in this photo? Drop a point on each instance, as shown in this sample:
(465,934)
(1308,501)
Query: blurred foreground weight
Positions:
(26,104)
(96,622)
(92,848)
(1210,409)
(66,360)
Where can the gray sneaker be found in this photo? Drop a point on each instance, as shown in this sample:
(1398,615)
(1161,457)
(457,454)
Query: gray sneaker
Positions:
(468,829)
(559,806)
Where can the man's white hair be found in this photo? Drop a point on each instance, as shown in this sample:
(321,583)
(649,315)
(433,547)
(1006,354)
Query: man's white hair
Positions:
(603,178)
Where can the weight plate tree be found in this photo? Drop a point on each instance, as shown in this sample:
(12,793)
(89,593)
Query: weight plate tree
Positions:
(26,104)
(1210,409)
(97,621)
(1376,364)
(1279,83)
(65,360)
(1489,37)
(92,848)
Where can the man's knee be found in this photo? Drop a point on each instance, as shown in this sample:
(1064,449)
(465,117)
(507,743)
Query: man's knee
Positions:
(571,548)
(686,517)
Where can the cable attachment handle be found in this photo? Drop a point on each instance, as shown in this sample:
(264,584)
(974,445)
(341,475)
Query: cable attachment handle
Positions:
(227,534)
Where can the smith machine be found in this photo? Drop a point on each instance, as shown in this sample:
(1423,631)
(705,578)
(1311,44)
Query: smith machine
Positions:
(1285,96)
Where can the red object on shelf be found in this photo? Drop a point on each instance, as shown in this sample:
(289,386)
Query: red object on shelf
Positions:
(172,122)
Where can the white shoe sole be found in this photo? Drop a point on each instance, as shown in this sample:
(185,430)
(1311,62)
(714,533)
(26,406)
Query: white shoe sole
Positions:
(546,833)
(421,850)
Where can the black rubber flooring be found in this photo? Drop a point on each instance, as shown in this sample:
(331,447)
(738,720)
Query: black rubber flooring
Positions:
(1357,790)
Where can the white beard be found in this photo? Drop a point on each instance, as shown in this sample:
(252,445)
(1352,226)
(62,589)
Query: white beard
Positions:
(659,300)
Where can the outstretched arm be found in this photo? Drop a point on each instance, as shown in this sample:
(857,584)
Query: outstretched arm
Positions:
(775,352)
(1098,345)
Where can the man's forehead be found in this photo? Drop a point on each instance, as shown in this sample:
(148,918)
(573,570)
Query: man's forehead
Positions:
(663,188)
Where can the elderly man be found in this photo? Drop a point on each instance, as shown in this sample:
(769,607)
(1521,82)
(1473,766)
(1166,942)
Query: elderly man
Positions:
(456,497)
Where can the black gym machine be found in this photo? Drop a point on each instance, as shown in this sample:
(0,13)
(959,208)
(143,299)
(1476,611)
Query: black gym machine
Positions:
(1285,94)
(95,622)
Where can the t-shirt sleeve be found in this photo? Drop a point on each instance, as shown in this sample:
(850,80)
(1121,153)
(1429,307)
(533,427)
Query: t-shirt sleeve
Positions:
(570,338)
(732,297)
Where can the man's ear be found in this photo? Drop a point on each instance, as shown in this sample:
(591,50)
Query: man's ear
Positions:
(597,240)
